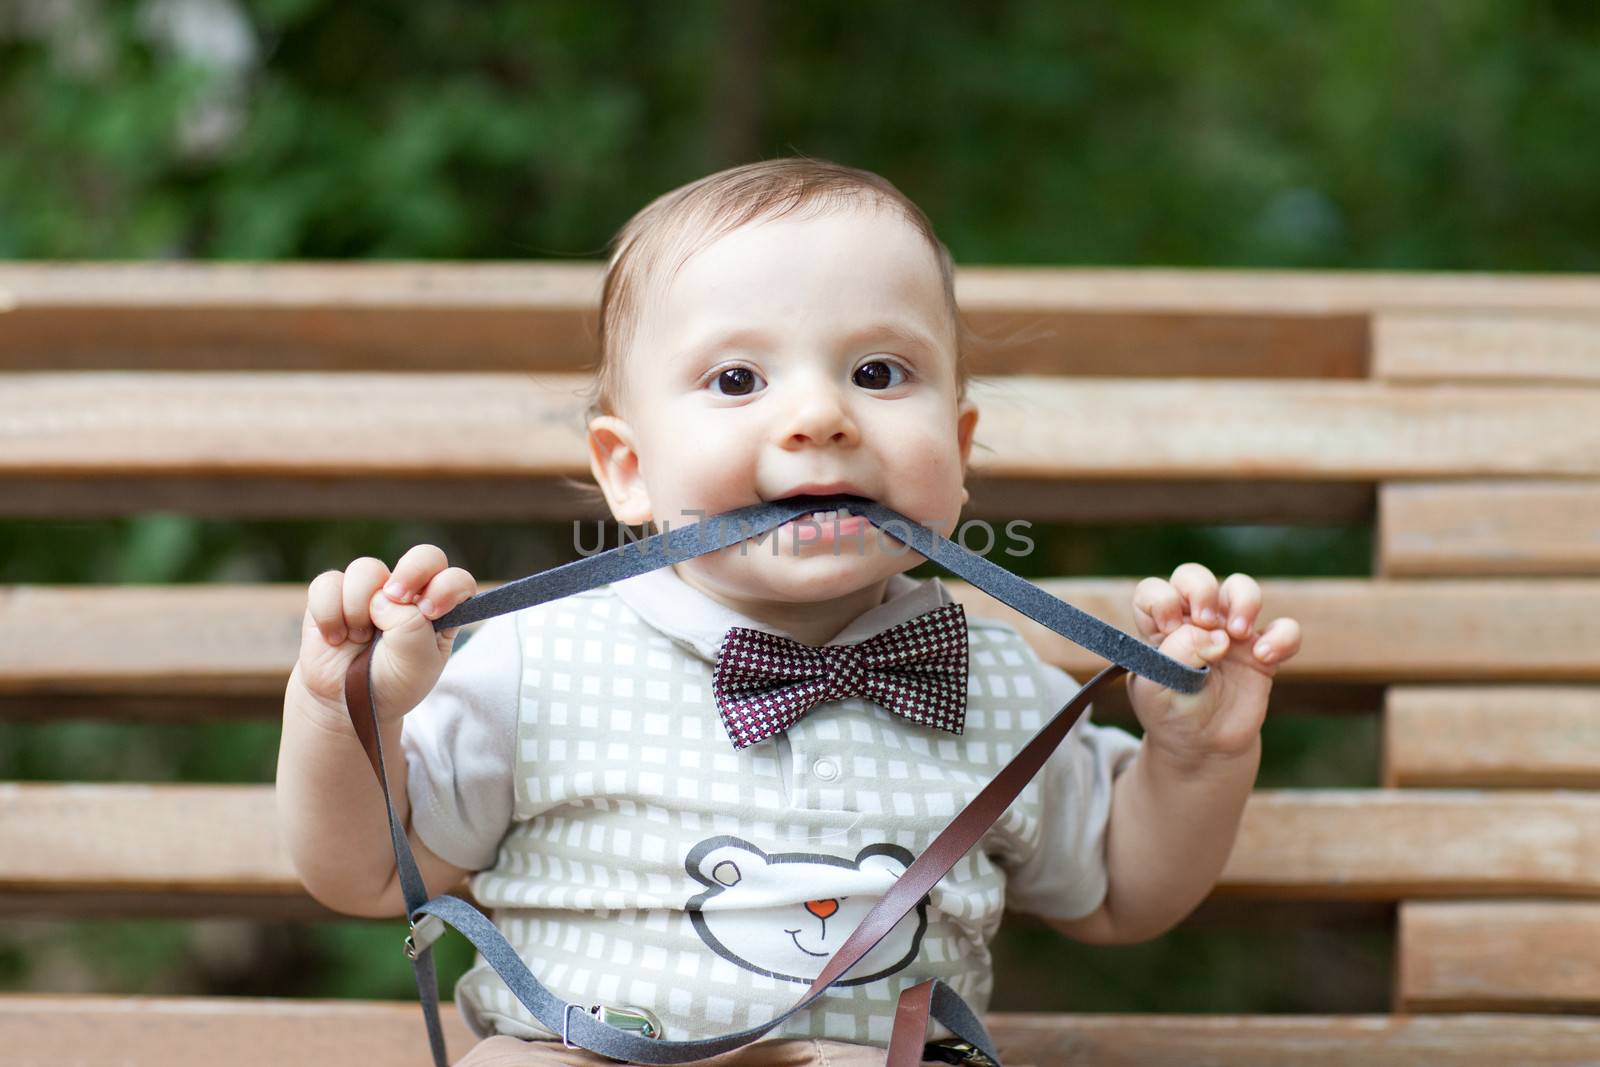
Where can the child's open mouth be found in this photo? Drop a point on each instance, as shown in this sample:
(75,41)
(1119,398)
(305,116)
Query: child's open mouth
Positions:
(825,526)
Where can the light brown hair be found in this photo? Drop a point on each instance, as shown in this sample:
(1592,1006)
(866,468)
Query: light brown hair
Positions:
(654,244)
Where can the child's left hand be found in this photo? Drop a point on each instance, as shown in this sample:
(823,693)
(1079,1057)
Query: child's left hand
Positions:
(1183,617)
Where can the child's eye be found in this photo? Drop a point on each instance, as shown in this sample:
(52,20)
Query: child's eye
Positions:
(740,380)
(880,376)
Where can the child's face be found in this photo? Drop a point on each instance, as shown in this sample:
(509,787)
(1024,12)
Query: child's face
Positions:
(816,397)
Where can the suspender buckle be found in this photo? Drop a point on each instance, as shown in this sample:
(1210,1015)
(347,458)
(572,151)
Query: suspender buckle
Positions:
(954,1050)
(423,934)
(635,1020)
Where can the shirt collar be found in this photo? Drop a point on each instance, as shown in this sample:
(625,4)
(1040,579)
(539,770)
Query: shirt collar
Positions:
(699,624)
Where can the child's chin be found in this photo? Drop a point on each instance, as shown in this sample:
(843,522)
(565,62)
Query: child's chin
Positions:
(822,576)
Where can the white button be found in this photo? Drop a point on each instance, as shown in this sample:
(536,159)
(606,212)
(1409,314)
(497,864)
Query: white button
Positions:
(825,769)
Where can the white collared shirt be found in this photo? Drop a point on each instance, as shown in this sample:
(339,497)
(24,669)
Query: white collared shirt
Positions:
(698,623)
(572,754)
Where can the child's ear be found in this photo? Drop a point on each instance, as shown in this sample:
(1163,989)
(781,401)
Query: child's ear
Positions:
(614,460)
(966,422)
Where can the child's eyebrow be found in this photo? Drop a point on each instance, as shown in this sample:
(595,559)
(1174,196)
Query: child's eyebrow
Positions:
(894,331)
(700,351)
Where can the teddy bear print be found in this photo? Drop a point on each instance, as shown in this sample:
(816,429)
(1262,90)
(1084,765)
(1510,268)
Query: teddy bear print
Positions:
(748,913)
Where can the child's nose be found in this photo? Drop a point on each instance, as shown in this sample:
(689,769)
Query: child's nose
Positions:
(822,908)
(818,413)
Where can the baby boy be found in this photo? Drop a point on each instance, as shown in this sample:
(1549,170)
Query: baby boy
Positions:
(783,328)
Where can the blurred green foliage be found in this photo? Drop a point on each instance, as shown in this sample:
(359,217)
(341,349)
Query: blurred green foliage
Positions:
(1352,134)
(1447,135)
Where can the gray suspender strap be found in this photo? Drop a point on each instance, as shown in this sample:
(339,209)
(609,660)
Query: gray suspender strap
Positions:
(731,527)
(934,997)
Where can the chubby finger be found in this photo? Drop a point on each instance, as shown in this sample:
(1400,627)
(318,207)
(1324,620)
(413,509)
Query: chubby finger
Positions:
(1239,600)
(363,578)
(445,591)
(413,571)
(1196,646)
(1157,608)
(1198,587)
(325,607)
(1280,641)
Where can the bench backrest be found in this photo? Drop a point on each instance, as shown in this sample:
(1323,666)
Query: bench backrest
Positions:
(1459,416)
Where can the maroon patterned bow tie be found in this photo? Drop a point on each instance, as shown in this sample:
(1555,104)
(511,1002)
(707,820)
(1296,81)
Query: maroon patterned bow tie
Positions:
(763,682)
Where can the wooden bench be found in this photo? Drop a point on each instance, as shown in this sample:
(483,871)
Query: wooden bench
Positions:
(1459,416)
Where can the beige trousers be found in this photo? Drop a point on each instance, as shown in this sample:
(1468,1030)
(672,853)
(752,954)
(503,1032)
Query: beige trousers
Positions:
(503,1050)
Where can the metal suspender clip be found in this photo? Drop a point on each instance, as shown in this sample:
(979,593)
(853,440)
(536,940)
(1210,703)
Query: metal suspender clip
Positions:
(954,1050)
(636,1020)
(423,934)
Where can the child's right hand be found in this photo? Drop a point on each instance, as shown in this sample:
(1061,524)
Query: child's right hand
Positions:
(343,610)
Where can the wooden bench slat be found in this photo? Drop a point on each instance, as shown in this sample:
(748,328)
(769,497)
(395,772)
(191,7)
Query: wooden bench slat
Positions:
(160,286)
(212,639)
(271,424)
(252,424)
(1299,292)
(546,339)
(540,316)
(1105,428)
(1194,500)
(1539,955)
(1488,528)
(295,316)
(473,497)
(1519,736)
(155,838)
(1380,844)
(170,1031)
(160,1031)
(1485,347)
(1157,1040)
(485,497)
(1371,630)
(242,640)
(102,841)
